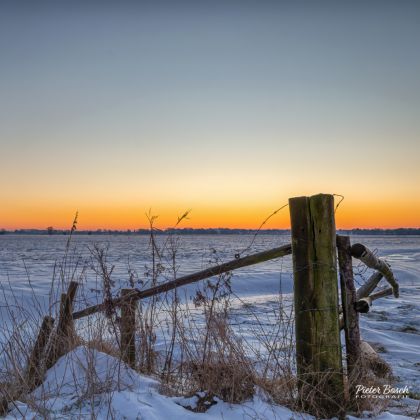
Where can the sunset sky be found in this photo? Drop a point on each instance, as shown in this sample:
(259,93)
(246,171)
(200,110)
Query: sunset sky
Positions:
(224,108)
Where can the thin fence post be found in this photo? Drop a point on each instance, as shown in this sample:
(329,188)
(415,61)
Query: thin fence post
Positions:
(34,372)
(65,322)
(65,326)
(318,348)
(128,326)
(351,317)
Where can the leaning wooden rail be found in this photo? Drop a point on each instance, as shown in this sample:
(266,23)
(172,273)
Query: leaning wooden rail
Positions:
(191,278)
(367,288)
(365,255)
(361,300)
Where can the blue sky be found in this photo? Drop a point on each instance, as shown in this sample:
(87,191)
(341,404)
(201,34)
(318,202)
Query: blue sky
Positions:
(205,104)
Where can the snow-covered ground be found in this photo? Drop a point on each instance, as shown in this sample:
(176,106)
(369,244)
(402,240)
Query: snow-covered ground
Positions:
(115,391)
(27,264)
(89,384)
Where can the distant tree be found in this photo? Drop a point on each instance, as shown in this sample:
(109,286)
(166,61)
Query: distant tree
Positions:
(50,230)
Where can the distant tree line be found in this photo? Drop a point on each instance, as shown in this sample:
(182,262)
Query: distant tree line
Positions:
(202,231)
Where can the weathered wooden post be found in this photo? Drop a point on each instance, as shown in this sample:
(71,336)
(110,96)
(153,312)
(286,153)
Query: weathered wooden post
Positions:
(65,322)
(34,372)
(34,369)
(351,317)
(128,326)
(65,328)
(318,348)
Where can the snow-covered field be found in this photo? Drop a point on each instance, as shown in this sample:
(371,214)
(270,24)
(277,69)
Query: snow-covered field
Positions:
(117,392)
(28,264)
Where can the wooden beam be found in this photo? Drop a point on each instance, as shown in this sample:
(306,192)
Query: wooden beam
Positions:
(65,322)
(370,285)
(191,278)
(65,328)
(34,369)
(365,255)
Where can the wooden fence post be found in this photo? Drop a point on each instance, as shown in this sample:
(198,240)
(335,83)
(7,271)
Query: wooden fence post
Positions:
(128,326)
(65,322)
(351,317)
(318,348)
(34,372)
(65,329)
(34,369)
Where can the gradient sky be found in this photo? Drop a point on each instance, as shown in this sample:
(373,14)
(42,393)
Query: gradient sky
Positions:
(225,108)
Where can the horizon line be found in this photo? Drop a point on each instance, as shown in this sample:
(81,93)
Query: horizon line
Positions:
(137,230)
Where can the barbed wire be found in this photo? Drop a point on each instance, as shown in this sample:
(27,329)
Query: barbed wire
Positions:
(238,255)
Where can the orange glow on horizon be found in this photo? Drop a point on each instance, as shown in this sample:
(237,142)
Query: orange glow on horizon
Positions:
(350,214)
(116,112)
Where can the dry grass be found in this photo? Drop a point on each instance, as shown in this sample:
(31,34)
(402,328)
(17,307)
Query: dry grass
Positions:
(201,354)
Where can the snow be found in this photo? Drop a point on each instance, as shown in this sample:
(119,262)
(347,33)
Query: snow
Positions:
(86,383)
(27,264)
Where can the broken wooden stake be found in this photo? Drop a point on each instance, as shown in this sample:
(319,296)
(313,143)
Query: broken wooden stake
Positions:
(65,322)
(35,362)
(65,329)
